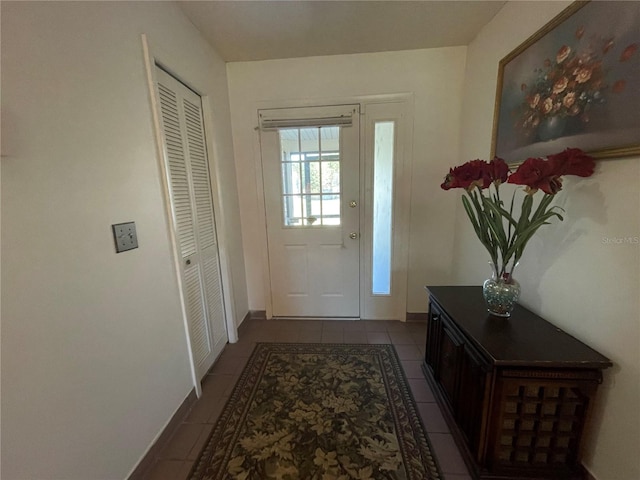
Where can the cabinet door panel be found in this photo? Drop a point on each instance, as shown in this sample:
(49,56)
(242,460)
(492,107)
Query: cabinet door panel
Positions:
(448,364)
(469,413)
(434,332)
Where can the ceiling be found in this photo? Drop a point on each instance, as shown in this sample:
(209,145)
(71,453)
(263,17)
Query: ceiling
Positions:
(262,30)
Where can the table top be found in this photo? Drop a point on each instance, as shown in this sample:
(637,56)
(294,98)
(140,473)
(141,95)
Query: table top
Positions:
(522,339)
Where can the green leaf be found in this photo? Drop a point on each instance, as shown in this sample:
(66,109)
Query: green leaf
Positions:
(523,222)
(543,206)
(479,223)
(513,198)
(502,212)
(494,221)
(522,237)
(471,216)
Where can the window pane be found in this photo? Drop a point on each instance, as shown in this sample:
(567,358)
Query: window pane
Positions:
(312,209)
(331,209)
(330,177)
(310,164)
(330,139)
(292,210)
(290,178)
(310,177)
(310,140)
(289,143)
(331,221)
(382,207)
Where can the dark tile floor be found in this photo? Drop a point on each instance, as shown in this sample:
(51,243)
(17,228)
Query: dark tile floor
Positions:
(177,458)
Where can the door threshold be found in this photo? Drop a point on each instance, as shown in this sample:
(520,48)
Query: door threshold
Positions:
(338,319)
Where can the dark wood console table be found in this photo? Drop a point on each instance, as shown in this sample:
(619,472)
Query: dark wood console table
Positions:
(514,391)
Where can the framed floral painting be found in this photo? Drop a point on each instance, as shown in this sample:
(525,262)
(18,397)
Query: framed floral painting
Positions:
(574,83)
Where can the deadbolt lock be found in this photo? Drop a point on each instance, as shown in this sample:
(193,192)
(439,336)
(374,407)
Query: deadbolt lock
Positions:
(353,235)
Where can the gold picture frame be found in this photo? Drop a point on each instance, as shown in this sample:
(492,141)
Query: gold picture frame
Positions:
(574,83)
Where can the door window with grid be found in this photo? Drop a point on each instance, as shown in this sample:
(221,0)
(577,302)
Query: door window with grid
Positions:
(310,165)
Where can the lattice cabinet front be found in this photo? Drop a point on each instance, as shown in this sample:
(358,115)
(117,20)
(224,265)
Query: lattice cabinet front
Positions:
(539,421)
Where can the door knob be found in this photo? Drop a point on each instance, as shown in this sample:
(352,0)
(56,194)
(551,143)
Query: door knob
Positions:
(353,235)
(353,204)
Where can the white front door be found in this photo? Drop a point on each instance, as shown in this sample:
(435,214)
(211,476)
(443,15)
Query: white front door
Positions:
(188,179)
(310,162)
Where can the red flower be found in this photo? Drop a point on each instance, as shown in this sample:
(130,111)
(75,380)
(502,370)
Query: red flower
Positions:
(536,173)
(449,181)
(628,52)
(498,170)
(572,161)
(468,175)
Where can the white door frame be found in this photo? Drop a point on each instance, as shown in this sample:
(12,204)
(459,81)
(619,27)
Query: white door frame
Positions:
(156,56)
(363,100)
(394,306)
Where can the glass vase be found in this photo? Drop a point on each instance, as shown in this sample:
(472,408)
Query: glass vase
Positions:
(501,293)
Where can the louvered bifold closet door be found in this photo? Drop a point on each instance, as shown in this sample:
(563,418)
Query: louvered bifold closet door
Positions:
(193,217)
(206,225)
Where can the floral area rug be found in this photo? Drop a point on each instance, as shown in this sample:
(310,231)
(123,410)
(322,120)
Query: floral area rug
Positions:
(319,411)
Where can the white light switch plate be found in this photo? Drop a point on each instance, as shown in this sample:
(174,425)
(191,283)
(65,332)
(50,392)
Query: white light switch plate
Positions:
(125,236)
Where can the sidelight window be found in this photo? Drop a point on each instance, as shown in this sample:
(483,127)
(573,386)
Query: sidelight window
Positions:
(382,207)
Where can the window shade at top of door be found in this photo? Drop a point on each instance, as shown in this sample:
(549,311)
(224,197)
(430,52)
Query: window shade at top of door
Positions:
(274,119)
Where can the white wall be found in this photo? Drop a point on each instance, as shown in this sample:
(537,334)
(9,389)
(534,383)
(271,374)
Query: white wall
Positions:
(94,354)
(434,77)
(569,274)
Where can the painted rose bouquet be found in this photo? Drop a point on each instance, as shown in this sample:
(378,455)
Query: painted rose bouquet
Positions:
(574,81)
(503,235)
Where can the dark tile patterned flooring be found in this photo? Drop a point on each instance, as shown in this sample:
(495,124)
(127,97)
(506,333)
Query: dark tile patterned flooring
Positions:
(175,461)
